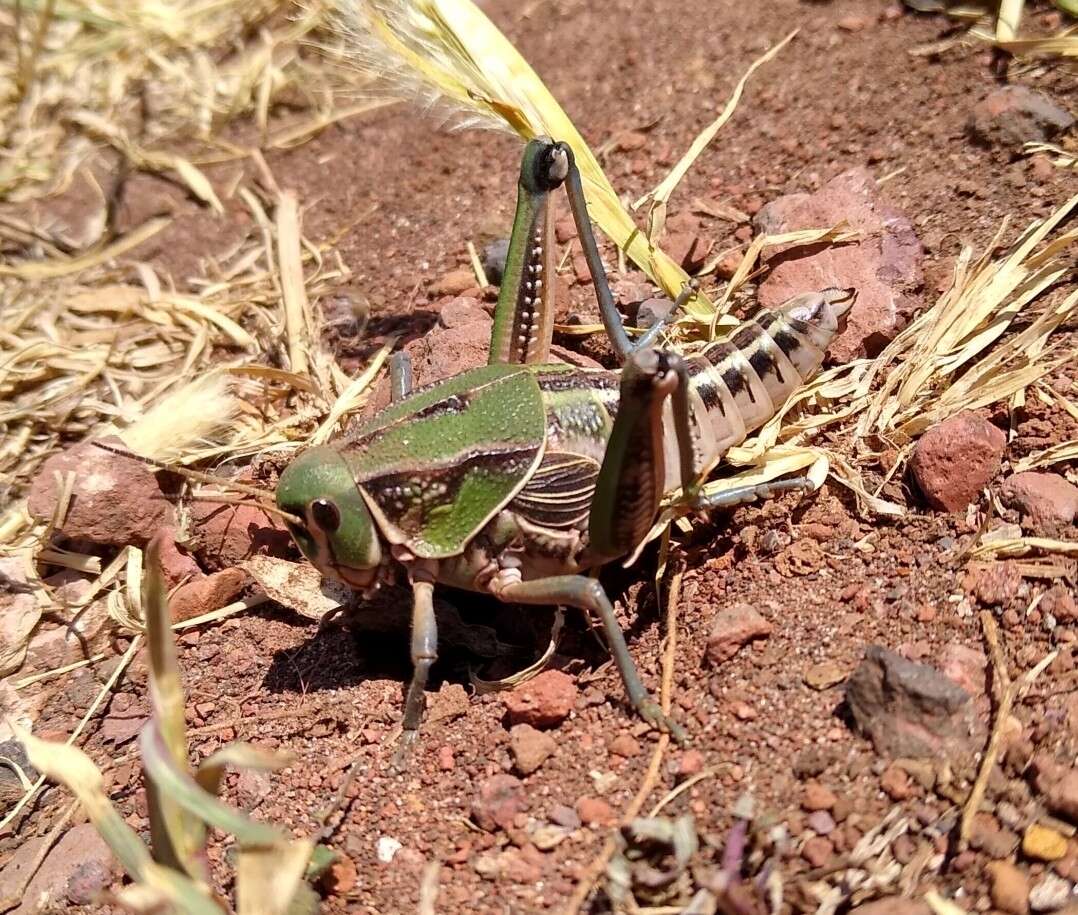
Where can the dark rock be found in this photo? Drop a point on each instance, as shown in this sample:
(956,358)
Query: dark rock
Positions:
(493,259)
(909,710)
(884,266)
(1011,116)
(955,459)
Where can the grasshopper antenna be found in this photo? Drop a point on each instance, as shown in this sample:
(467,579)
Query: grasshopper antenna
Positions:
(197,476)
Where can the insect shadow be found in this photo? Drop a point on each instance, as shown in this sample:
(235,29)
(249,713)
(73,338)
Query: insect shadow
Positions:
(478,635)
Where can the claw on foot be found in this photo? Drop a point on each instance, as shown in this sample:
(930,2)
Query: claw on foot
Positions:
(655,716)
(403,754)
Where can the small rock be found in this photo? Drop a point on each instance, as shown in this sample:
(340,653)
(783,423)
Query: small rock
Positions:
(549,836)
(652,311)
(446,761)
(542,702)
(594,811)
(884,266)
(461,311)
(903,848)
(896,784)
(994,584)
(1041,497)
(564,815)
(1062,795)
(439,354)
(500,799)
(817,851)
(955,459)
(965,666)
(342,876)
(386,848)
(817,797)
(820,822)
(812,761)
(530,748)
(1043,844)
(1011,116)
(690,764)
(734,627)
(824,676)
(1050,894)
(854,23)
(907,709)
(53,646)
(453,283)
(209,593)
(988,836)
(74,873)
(493,259)
(624,745)
(1009,888)
(1059,601)
(629,140)
(116,500)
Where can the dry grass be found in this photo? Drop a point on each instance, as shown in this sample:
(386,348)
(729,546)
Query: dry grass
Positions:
(228,364)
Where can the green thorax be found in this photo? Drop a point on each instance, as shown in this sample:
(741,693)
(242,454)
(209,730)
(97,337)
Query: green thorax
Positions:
(439,464)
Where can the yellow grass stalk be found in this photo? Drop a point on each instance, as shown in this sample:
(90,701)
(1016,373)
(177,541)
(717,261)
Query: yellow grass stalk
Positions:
(293,292)
(448,54)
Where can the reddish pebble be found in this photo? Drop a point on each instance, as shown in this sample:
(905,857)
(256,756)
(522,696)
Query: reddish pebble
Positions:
(897,785)
(594,811)
(624,745)
(1041,497)
(734,627)
(817,797)
(341,876)
(453,283)
(543,702)
(500,799)
(743,711)
(690,764)
(955,459)
(445,759)
(530,748)
(817,851)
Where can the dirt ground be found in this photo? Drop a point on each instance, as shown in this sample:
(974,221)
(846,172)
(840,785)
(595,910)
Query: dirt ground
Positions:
(846,92)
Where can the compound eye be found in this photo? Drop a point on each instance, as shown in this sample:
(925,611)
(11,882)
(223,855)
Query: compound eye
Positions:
(326,515)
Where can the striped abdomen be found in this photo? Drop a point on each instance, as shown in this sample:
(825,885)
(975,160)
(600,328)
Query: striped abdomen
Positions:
(740,383)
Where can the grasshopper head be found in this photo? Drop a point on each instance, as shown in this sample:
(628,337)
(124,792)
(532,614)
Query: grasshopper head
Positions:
(338,534)
(544,166)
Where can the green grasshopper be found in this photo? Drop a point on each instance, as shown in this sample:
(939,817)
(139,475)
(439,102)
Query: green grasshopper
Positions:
(517,478)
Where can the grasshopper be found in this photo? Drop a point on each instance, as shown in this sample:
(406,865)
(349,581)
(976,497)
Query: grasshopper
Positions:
(517,478)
